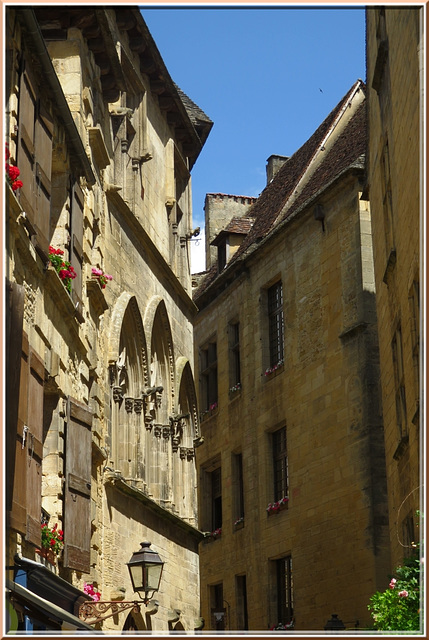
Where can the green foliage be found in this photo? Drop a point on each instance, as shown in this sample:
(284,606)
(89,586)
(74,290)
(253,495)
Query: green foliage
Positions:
(398,608)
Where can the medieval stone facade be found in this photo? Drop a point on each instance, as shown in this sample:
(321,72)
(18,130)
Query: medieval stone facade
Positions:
(395,68)
(102,417)
(292,471)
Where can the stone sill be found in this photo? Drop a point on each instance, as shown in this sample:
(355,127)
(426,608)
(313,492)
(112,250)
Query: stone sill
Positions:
(96,296)
(400,449)
(210,414)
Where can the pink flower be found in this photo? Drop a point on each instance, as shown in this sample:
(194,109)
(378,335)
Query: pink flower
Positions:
(403,594)
(96,272)
(392,583)
(106,275)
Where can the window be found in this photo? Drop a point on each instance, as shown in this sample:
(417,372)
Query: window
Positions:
(398,368)
(234,355)
(387,200)
(237,480)
(408,535)
(275,324)
(280,464)
(217,609)
(208,359)
(284,590)
(414,299)
(216,498)
(241,599)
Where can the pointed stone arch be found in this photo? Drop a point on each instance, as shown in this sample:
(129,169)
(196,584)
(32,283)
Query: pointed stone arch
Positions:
(157,327)
(185,437)
(128,371)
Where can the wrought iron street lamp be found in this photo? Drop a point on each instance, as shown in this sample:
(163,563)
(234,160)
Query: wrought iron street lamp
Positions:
(145,567)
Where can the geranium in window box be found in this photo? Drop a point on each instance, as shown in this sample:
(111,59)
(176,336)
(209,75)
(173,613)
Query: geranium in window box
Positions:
(63,267)
(239,523)
(270,370)
(275,507)
(236,388)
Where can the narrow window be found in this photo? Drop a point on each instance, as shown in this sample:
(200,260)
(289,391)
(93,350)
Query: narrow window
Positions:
(241,599)
(280,464)
(284,590)
(209,376)
(275,324)
(216,487)
(217,609)
(234,355)
(398,368)
(408,535)
(238,496)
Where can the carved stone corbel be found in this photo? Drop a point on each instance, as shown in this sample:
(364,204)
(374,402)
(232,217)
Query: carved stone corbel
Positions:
(129,404)
(118,393)
(138,405)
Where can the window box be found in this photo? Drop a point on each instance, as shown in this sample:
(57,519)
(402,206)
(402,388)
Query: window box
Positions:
(235,390)
(213,535)
(239,524)
(280,505)
(271,372)
(96,295)
(211,411)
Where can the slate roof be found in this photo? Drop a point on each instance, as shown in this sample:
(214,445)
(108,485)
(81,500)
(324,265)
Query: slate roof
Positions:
(270,208)
(199,119)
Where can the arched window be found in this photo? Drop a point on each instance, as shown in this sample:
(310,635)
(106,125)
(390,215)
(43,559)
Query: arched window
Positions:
(128,379)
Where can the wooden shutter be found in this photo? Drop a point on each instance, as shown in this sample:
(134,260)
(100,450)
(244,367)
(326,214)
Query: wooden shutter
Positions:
(76,254)
(27,479)
(25,153)
(43,152)
(34,446)
(15,295)
(18,516)
(77,499)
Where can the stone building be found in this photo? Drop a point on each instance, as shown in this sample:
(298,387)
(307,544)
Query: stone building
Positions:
(395,106)
(292,482)
(102,420)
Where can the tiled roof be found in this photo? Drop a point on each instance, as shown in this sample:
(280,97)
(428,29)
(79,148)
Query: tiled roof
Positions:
(241,226)
(270,208)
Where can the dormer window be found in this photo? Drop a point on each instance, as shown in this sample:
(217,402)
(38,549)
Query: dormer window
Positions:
(230,239)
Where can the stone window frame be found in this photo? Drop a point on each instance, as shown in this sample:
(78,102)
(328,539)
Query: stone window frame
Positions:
(275,316)
(208,374)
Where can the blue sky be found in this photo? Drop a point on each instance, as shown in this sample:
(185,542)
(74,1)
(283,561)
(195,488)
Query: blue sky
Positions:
(266,75)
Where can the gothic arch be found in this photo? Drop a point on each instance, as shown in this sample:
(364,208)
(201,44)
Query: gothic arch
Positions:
(128,378)
(185,437)
(161,351)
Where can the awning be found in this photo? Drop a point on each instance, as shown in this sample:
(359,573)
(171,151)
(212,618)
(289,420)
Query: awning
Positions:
(33,602)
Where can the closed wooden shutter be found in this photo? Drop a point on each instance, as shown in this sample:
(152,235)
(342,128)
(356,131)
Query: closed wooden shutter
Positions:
(43,152)
(25,153)
(18,516)
(77,499)
(27,480)
(34,446)
(15,295)
(34,159)
(76,254)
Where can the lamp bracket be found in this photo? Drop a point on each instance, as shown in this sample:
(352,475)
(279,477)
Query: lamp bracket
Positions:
(93,612)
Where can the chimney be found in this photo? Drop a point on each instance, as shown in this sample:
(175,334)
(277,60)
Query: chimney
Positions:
(274,163)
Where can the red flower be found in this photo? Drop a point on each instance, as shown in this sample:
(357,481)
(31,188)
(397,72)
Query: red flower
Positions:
(13,172)
(17,185)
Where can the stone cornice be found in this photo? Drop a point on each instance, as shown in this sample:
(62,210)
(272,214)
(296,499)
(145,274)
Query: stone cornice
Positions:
(117,481)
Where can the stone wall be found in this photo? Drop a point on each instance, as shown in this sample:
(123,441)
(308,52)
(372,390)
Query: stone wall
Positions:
(394,53)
